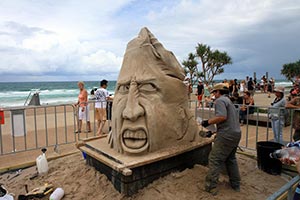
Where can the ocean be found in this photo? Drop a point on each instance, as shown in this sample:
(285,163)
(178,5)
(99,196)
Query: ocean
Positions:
(15,94)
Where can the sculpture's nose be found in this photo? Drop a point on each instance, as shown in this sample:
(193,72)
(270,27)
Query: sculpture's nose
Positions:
(133,109)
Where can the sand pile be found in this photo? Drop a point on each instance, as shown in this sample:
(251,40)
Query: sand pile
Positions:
(81,181)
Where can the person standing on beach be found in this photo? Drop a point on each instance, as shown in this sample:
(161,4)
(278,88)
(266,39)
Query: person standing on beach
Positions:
(246,80)
(231,87)
(207,94)
(269,88)
(101,96)
(243,87)
(294,103)
(277,114)
(226,83)
(83,110)
(247,107)
(200,92)
(251,86)
(225,145)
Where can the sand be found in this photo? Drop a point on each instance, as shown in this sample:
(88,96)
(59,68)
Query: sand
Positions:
(81,181)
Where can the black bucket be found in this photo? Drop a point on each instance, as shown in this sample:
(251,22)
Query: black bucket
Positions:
(264,162)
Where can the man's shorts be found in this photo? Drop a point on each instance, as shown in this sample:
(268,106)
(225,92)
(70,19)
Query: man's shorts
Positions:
(200,97)
(100,114)
(84,114)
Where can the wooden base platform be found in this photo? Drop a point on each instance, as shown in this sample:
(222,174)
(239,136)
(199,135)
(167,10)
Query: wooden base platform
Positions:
(130,173)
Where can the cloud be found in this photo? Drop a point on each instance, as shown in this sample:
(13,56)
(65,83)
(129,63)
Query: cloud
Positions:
(74,39)
(259,35)
(42,52)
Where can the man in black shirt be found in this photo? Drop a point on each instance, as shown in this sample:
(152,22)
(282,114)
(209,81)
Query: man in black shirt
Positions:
(200,92)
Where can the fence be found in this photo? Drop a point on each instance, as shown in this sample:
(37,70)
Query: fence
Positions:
(33,127)
(27,128)
(286,191)
(257,124)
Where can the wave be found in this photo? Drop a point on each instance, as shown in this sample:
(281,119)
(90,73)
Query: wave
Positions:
(284,84)
(18,98)
(15,94)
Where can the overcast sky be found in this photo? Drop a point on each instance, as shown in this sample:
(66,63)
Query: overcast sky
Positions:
(53,40)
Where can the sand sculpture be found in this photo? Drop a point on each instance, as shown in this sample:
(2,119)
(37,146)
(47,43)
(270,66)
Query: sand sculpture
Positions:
(150,109)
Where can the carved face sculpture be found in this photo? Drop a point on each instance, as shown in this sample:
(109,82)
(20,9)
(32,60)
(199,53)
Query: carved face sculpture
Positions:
(150,109)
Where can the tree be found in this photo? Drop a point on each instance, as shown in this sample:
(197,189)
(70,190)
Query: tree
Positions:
(212,63)
(190,67)
(291,70)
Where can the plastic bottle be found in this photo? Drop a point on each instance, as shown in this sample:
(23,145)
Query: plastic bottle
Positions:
(41,163)
(291,153)
(57,194)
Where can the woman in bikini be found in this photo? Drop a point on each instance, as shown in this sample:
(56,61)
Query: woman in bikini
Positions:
(83,108)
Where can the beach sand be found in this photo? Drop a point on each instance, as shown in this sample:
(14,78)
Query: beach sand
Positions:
(83,182)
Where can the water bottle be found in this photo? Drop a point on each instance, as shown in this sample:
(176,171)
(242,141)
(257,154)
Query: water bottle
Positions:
(291,153)
(57,194)
(42,163)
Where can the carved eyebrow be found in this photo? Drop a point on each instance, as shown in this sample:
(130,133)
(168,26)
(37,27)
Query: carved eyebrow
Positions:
(139,81)
(142,81)
(122,82)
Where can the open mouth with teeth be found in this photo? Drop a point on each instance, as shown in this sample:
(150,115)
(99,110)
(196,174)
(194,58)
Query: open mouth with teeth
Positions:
(134,141)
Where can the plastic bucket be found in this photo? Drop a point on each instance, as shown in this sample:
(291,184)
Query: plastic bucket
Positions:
(264,162)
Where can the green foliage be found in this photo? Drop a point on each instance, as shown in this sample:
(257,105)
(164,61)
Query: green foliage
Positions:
(212,63)
(291,70)
(190,67)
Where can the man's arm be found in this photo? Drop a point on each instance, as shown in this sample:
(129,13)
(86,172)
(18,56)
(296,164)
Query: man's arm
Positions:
(217,120)
(214,120)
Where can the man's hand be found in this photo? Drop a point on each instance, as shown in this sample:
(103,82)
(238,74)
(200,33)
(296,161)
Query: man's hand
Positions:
(205,123)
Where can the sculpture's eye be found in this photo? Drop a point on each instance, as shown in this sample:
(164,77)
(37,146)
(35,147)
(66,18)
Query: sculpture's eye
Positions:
(123,89)
(147,87)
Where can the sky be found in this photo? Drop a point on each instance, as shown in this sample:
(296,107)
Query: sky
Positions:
(70,40)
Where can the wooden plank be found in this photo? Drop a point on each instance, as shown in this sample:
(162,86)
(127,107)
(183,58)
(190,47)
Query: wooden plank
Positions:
(109,162)
(102,147)
(32,163)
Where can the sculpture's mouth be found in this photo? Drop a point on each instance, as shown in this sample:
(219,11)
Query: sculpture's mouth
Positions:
(134,141)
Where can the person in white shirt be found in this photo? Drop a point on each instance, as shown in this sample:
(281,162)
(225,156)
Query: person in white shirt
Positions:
(101,96)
